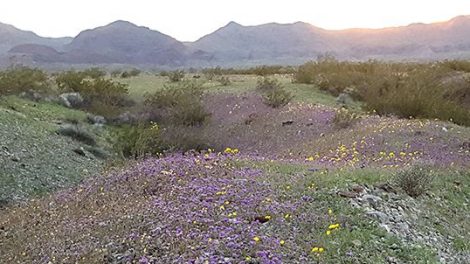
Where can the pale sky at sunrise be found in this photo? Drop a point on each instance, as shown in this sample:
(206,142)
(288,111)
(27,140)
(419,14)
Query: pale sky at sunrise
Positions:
(191,19)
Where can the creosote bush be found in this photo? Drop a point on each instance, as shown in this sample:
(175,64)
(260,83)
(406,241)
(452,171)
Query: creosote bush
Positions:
(179,104)
(406,90)
(176,76)
(345,118)
(139,141)
(274,94)
(102,96)
(224,81)
(16,80)
(415,181)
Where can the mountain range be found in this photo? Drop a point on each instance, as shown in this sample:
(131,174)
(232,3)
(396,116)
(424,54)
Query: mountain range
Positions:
(122,42)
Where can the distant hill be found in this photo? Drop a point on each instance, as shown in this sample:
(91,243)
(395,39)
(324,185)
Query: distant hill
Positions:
(125,43)
(301,40)
(11,36)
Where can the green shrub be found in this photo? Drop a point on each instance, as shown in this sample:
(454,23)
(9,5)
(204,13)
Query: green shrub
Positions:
(179,104)
(77,133)
(23,79)
(211,73)
(277,98)
(419,94)
(132,73)
(224,81)
(344,118)
(102,96)
(176,76)
(273,93)
(116,73)
(139,141)
(184,138)
(94,73)
(415,181)
(402,89)
(268,84)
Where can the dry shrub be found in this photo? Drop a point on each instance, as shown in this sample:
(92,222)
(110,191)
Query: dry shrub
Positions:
(415,181)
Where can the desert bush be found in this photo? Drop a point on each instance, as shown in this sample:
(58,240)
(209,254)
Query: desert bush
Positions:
(273,92)
(184,138)
(176,76)
(224,81)
(277,98)
(77,133)
(132,73)
(419,93)
(415,181)
(179,104)
(268,84)
(211,73)
(23,79)
(456,65)
(94,73)
(138,141)
(344,118)
(401,89)
(102,96)
(116,73)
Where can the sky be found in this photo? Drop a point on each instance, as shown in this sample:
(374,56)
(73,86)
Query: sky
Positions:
(191,19)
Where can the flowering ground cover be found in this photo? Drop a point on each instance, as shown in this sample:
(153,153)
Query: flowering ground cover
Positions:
(207,208)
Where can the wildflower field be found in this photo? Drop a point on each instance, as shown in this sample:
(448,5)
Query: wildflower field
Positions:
(308,182)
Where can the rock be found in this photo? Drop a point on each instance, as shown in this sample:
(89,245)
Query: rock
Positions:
(125,118)
(287,123)
(313,169)
(385,187)
(71,100)
(80,151)
(347,194)
(371,199)
(383,218)
(15,159)
(96,119)
(343,99)
(357,189)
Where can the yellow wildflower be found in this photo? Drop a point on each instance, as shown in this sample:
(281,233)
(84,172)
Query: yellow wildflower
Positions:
(248,258)
(328,232)
(333,226)
(315,249)
(310,158)
(268,217)
(330,212)
(256,239)
(282,242)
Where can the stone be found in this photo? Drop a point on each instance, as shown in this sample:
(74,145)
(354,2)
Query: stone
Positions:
(347,194)
(371,199)
(96,119)
(357,189)
(386,187)
(287,123)
(382,217)
(80,151)
(15,159)
(71,100)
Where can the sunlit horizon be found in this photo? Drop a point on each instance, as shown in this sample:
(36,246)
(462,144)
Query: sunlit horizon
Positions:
(189,20)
